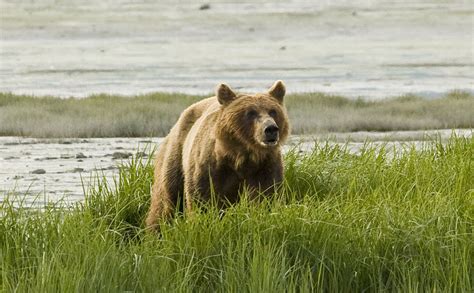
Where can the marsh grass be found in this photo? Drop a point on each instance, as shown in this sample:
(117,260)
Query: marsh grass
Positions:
(311,113)
(154,114)
(95,116)
(384,220)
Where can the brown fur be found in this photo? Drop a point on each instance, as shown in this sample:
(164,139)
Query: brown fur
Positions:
(222,140)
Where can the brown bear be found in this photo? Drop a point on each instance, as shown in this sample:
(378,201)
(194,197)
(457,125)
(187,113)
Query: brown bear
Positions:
(220,145)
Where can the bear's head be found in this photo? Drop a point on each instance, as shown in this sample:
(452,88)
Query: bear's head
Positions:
(256,121)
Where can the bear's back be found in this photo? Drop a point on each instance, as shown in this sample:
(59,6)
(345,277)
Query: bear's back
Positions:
(201,132)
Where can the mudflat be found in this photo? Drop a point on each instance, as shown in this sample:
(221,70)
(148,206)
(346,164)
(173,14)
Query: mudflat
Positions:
(352,48)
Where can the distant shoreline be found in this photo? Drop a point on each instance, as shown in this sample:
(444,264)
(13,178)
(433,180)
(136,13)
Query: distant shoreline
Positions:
(152,115)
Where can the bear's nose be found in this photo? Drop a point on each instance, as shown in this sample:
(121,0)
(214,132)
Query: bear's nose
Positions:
(271,131)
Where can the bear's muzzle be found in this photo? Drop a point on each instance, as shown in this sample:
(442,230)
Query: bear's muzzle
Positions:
(270,133)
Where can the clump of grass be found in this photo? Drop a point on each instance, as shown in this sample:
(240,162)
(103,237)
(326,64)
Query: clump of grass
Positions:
(95,116)
(312,113)
(154,114)
(383,220)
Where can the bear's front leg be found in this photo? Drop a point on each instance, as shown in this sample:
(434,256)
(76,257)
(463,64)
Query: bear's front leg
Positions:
(265,181)
(196,190)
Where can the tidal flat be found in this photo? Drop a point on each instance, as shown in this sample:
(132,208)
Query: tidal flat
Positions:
(350,48)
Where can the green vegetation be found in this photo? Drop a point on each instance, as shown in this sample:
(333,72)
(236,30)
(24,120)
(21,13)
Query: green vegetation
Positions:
(383,220)
(154,114)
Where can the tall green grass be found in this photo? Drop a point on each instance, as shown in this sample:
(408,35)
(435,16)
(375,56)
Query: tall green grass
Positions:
(154,114)
(383,220)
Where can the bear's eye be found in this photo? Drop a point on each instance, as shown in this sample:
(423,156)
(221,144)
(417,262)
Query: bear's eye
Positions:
(272,113)
(252,114)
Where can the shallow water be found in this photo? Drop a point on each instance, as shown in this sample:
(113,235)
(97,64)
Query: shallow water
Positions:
(355,48)
(69,166)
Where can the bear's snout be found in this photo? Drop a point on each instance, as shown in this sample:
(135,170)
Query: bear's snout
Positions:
(270,133)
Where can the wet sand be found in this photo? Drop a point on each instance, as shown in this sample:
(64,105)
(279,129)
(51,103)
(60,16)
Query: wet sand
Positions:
(355,48)
(61,169)
(53,169)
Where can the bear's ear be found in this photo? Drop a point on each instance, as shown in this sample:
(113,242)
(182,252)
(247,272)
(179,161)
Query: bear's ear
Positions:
(224,94)
(278,91)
